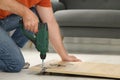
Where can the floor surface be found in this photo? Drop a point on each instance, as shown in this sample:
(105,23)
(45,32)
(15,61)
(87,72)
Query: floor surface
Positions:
(32,57)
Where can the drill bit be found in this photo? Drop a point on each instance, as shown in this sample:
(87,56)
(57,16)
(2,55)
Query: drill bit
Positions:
(43,68)
(43,56)
(42,63)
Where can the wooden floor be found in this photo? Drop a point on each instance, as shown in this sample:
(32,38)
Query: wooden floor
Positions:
(81,68)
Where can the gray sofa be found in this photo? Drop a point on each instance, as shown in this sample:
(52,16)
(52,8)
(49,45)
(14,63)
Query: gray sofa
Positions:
(88,18)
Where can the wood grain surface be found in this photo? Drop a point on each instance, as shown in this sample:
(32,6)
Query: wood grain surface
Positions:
(81,68)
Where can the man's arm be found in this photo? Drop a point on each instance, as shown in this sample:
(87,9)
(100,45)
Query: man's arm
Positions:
(29,18)
(13,6)
(46,14)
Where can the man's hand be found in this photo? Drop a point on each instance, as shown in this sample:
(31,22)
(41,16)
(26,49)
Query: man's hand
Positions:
(71,59)
(30,21)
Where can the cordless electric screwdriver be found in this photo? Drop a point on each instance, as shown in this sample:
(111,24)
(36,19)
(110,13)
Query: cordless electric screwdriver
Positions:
(40,39)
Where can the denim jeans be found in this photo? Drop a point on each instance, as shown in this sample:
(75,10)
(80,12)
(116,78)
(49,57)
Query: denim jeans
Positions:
(11,58)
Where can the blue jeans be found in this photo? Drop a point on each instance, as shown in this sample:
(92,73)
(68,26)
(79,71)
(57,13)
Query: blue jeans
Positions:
(11,58)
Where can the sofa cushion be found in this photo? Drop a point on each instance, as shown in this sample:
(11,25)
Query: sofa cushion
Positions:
(91,4)
(88,18)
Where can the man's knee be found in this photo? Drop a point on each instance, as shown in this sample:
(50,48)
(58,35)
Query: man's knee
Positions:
(15,67)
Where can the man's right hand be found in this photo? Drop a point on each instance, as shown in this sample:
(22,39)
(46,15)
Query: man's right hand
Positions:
(30,21)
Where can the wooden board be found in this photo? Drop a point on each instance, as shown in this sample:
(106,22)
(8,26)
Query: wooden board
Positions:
(81,68)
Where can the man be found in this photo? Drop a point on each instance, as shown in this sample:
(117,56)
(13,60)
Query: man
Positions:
(11,11)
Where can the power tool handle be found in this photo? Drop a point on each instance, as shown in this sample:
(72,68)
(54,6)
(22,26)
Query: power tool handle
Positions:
(26,33)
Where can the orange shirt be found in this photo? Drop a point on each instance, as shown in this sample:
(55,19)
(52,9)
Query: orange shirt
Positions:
(27,3)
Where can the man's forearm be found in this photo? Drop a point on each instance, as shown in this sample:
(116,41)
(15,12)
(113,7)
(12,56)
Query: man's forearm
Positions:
(46,15)
(14,7)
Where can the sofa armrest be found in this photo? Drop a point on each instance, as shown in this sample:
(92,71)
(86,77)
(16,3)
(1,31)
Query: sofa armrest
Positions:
(56,5)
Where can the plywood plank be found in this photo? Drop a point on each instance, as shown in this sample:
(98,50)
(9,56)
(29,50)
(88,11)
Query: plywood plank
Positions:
(81,68)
